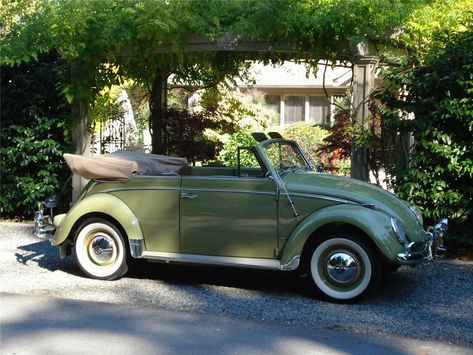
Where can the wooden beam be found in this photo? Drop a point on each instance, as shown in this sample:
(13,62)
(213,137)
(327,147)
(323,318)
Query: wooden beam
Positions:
(199,44)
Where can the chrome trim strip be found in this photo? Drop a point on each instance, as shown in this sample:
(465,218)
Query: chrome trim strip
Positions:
(223,177)
(189,189)
(230,191)
(268,264)
(142,189)
(323,197)
(292,265)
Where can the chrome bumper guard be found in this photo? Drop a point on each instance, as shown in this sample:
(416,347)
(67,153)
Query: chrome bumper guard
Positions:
(431,248)
(43,224)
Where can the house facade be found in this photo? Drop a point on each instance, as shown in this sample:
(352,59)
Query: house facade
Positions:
(296,96)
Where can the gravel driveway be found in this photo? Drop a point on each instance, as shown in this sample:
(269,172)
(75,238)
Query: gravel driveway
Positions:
(431,302)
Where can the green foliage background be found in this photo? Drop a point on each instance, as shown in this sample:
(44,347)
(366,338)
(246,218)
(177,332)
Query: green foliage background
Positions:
(105,42)
(308,136)
(34,135)
(440,94)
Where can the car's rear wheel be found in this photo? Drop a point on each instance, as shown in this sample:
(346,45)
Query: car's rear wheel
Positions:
(344,267)
(100,250)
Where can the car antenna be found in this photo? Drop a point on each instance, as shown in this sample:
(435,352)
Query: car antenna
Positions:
(291,202)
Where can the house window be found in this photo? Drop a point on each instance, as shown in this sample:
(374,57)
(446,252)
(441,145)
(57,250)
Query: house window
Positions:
(319,109)
(294,109)
(273,102)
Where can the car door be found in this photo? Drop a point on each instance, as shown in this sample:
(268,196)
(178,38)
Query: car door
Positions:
(228,216)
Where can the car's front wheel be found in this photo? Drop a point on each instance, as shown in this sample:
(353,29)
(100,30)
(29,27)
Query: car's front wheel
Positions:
(344,267)
(100,250)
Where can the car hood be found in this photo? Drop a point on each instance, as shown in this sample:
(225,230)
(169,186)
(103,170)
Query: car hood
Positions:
(355,191)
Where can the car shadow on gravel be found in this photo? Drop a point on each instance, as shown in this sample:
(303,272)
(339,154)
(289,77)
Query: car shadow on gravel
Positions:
(400,287)
(258,280)
(46,257)
(290,283)
(281,284)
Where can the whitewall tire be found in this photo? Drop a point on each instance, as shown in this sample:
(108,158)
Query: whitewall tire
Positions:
(100,250)
(343,267)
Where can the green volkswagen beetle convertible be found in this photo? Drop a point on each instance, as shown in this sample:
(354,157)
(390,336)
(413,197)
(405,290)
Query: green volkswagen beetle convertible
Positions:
(272,212)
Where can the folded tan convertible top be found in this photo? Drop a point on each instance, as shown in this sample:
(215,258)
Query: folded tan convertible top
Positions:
(122,164)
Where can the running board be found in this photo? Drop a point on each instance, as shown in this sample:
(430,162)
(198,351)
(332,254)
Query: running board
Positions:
(253,263)
(269,264)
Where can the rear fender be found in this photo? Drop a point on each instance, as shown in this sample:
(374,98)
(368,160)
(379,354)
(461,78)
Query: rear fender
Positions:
(98,204)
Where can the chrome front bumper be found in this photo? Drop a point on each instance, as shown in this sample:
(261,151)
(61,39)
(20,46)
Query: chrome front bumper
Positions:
(43,224)
(429,249)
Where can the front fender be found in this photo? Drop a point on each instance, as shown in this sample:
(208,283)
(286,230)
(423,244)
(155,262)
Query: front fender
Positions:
(98,203)
(374,224)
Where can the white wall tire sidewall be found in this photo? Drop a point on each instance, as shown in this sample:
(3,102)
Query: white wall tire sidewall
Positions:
(84,260)
(320,280)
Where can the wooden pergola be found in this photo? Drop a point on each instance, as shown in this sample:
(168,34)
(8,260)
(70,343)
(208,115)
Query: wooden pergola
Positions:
(364,65)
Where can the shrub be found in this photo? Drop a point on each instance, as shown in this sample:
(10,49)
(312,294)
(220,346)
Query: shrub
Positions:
(308,136)
(229,153)
(440,95)
(33,136)
(185,134)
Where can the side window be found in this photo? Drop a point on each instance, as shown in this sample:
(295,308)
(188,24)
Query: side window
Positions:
(249,166)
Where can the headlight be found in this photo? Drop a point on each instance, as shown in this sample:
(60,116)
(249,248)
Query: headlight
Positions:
(399,231)
(417,213)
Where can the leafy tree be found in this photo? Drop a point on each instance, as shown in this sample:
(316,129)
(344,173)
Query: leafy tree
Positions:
(186,134)
(86,34)
(199,132)
(34,135)
(439,94)
(147,41)
(242,111)
(427,28)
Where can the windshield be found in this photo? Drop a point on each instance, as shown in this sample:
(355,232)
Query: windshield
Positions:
(285,157)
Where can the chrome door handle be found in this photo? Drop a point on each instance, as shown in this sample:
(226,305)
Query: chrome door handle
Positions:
(188,195)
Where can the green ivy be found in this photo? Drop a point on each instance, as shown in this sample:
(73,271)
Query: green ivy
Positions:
(34,136)
(439,94)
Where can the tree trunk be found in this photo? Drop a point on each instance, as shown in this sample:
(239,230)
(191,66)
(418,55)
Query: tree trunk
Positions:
(157,110)
(79,131)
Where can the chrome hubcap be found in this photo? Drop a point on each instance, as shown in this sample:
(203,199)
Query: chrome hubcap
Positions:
(342,268)
(101,249)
